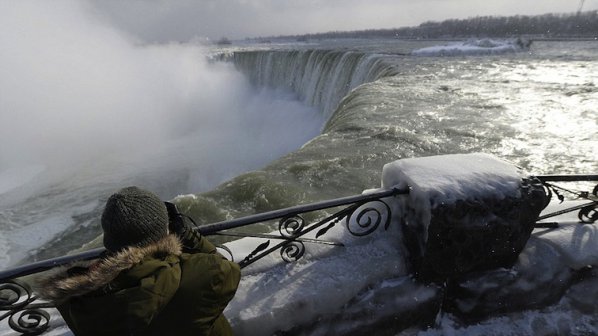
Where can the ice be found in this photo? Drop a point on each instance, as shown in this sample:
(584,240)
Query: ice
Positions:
(538,278)
(553,321)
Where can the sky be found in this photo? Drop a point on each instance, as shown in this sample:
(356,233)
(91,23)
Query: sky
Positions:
(183,20)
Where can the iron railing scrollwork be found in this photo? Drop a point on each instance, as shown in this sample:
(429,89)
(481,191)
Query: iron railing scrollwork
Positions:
(587,211)
(361,217)
(24,316)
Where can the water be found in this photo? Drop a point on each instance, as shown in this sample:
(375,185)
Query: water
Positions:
(318,121)
(535,109)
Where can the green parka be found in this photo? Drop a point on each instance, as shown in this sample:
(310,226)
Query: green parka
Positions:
(153,290)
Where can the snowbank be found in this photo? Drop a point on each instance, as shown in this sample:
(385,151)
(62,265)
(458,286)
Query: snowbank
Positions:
(274,295)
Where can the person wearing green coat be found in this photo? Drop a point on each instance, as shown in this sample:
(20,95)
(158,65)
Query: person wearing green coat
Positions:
(150,282)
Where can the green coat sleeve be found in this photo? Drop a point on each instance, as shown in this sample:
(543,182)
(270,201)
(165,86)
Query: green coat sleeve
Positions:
(208,284)
(193,242)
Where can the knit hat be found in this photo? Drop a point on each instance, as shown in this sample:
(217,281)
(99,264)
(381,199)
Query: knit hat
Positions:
(133,217)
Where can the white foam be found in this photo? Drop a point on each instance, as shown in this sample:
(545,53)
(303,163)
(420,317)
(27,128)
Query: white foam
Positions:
(28,238)
(12,178)
(473,47)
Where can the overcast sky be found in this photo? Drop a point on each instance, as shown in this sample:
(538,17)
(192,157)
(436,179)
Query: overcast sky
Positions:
(164,20)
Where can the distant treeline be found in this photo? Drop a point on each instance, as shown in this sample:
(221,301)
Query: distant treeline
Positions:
(584,25)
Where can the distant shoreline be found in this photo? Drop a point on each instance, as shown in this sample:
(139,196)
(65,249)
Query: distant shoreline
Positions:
(439,39)
(580,26)
(423,39)
(532,38)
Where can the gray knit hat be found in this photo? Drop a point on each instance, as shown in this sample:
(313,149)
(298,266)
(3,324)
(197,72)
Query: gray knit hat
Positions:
(133,217)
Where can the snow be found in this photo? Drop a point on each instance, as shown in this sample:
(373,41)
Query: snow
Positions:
(473,47)
(447,178)
(274,295)
(444,179)
(576,243)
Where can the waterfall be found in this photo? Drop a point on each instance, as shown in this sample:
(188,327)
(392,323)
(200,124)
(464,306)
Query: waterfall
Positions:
(320,78)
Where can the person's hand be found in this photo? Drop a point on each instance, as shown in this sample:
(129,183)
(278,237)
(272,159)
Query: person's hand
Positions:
(176,224)
(184,230)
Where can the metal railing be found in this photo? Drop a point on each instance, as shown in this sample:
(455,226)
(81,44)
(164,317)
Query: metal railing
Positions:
(588,212)
(361,214)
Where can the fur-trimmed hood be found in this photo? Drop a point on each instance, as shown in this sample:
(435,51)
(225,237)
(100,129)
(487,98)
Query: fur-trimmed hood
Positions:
(61,284)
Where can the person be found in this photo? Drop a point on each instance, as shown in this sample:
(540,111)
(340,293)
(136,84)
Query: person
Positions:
(151,281)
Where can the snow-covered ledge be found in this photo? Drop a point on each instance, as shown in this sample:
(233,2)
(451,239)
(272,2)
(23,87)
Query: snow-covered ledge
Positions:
(463,212)
(446,179)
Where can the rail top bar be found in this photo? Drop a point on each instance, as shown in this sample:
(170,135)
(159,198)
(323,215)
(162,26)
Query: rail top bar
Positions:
(47,264)
(567,178)
(207,230)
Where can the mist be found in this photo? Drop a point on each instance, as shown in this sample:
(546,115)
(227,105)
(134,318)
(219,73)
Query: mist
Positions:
(81,99)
